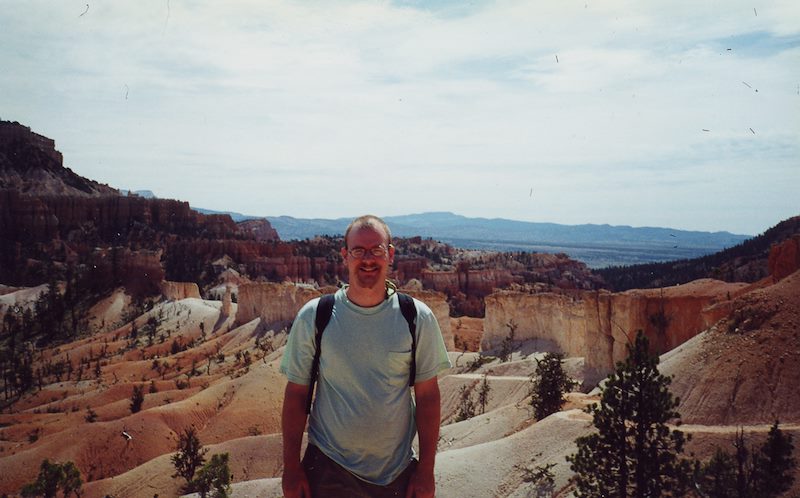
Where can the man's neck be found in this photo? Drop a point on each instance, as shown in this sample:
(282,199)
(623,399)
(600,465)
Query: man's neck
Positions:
(366,298)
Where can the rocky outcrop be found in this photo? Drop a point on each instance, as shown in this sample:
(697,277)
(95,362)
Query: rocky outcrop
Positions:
(598,325)
(275,304)
(260,230)
(227,301)
(437,302)
(30,163)
(11,132)
(784,258)
(174,291)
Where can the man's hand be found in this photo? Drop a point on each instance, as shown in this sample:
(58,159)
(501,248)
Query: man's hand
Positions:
(421,485)
(295,483)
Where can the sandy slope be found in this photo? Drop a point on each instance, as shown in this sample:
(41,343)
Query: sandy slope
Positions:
(745,370)
(18,300)
(107,313)
(251,458)
(226,401)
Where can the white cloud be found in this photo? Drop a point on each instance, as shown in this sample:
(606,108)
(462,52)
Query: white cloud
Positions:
(280,107)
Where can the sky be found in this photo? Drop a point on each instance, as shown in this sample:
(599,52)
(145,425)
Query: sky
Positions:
(680,114)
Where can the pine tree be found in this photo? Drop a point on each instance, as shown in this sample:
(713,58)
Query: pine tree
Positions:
(466,407)
(773,465)
(137,399)
(549,385)
(507,346)
(750,473)
(633,454)
(483,393)
(215,476)
(46,483)
(53,476)
(190,455)
(71,481)
(717,477)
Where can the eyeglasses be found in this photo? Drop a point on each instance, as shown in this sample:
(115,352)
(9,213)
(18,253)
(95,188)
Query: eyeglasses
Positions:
(360,252)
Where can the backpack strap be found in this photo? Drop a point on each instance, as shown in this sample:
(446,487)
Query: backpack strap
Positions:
(410,314)
(321,319)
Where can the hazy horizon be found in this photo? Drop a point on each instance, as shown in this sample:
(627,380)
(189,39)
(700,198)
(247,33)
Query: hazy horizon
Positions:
(682,115)
(416,213)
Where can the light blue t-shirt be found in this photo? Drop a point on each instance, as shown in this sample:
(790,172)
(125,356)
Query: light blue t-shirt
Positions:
(363,413)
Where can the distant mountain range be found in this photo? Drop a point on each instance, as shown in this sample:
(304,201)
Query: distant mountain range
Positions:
(596,245)
(30,165)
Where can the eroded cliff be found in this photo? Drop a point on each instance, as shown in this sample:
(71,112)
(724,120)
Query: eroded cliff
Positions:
(598,325)
(275,304)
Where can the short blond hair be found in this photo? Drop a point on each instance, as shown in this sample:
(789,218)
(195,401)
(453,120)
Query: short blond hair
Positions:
(368,221)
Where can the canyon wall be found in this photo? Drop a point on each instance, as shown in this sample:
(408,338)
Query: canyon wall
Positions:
(296,268)
(598,325)
(407,268)
(466,280)
(43,218)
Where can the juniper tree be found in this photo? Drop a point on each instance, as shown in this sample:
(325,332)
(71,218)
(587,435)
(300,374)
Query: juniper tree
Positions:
(633,453)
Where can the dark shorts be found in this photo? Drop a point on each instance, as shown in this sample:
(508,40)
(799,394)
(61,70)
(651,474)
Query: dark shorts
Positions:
(328,479)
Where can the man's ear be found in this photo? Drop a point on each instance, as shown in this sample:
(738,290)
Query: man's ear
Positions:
(344,253)
(391,253)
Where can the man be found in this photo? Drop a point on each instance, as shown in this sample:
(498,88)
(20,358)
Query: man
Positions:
(363,419)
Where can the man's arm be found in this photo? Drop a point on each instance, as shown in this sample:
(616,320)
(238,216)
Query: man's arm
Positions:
(428,412)
(293,423)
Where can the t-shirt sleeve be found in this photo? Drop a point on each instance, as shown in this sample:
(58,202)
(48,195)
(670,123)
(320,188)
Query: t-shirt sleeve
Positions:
(300,346)
(431,351)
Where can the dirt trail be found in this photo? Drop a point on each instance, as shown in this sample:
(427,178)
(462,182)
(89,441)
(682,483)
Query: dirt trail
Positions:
(516,378)
(693,428)
(732,429)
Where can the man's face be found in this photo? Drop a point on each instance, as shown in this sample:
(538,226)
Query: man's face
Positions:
(368,270)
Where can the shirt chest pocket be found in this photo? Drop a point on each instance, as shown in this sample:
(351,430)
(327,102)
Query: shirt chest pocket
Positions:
(398,367)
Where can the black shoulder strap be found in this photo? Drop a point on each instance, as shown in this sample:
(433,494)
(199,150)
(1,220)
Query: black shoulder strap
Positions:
(410,314)
(323,316)
(321,319)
